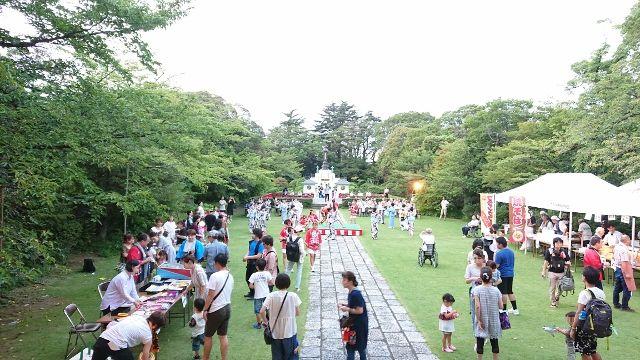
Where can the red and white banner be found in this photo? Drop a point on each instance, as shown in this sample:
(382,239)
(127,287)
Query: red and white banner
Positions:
(517,219)
(487,211)
(342,232)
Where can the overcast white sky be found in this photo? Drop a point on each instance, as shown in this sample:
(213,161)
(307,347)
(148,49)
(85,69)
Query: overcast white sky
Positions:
(384,56)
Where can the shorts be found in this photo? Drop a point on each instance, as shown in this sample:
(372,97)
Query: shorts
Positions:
(218,322)
(311,252)
(196,341)
(506,286)
(257,305)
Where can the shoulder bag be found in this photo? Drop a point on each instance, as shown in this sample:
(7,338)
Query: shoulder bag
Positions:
(268,336)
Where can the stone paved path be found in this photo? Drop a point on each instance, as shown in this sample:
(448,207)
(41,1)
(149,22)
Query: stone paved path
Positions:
(392,334)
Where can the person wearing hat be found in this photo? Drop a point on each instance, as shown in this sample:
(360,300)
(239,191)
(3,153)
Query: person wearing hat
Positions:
(545,223)
(556,225)
(295,257)
(121,293)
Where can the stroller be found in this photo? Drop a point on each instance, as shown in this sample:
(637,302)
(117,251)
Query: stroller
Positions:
(428,249)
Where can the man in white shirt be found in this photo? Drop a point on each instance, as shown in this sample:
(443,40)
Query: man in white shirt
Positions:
(443,208)
(121,293)
(623,272)
(218,307)
(116,342)
(613,237)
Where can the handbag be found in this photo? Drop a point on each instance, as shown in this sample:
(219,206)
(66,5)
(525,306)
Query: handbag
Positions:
(268,336)
(504,321)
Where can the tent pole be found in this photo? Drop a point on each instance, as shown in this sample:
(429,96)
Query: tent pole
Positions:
(570,228)
(633,233)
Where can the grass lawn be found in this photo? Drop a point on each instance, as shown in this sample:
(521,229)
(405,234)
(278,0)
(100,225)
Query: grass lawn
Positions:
(421,289)
(41,332)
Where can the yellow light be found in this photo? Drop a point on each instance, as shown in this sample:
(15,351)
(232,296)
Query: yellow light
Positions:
(417,186)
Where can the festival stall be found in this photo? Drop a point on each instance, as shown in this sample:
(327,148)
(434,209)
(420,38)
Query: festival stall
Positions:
(574,193)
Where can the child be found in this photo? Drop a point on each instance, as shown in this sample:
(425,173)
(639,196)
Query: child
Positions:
(312,241)
(197,324)
(259,282)
(446,316)
(496,278)
(375,220)
(571,352)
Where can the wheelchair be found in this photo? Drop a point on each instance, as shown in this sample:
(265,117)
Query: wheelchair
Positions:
(474,232)
(428,253)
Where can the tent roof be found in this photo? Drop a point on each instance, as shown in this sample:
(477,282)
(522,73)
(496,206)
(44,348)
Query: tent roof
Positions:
(632,186)
(575,192)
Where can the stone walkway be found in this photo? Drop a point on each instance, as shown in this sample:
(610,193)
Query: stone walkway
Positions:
(392,334)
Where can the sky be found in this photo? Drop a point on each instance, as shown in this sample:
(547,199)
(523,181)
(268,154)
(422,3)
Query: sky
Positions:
(384,56)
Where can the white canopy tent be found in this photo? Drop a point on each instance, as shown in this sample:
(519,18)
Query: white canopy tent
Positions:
(576,192)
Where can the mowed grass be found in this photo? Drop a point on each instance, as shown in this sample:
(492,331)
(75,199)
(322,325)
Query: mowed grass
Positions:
(421,290)
(42,330)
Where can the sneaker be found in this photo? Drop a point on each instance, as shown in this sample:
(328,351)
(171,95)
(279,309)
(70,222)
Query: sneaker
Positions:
(452,347)
(297,289)
(617,306)
(554,305)
(515,312)
(257,326)
(627,309)
(196,357)
(447,350)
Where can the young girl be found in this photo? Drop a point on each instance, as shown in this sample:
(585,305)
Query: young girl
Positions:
(446,316)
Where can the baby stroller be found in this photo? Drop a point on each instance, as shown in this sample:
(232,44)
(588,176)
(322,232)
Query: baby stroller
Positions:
(428,249)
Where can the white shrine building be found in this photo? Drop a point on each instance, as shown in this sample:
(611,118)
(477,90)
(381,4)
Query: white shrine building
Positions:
(324,181)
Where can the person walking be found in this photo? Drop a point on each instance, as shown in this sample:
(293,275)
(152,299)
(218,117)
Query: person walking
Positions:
(506,260)
(487,301)
(295,255)
(556,261)
(584,342)
(623,272)
(283,307)
(357,309)
(218,307)
(444,204)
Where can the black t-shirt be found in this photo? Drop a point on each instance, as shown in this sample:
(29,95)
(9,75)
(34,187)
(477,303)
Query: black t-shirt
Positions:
(556,263)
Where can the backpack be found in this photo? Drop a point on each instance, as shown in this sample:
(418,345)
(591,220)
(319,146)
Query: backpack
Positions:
(599,317)
(557,262)
(566,283)
(293,250)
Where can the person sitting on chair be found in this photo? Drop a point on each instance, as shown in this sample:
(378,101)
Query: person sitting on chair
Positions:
(121,293)
(471,226)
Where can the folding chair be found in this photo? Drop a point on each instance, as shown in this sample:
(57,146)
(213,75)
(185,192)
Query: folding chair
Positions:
(102,288)
(83,327)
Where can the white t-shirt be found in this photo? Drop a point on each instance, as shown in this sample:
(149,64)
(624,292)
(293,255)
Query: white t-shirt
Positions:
(444,204)
(585,295)
(612,239)
(215,284)
(260,281)
(200,323)
(129,332)
(286,326)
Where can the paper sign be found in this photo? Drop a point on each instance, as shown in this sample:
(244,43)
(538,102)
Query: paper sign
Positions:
(597,218)
(624,219)
(588,217)
(184,301)
(611,217)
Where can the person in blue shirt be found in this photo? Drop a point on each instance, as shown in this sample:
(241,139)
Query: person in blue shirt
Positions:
(506,261)
(191,247)
(213,248)
(357,309)
(256,248)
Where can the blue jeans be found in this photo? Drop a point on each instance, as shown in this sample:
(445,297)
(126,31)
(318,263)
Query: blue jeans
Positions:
(351,354)
(283,349)
(620,286)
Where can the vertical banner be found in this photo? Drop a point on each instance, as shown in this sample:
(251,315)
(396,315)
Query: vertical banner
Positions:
(487,211)
(517,219)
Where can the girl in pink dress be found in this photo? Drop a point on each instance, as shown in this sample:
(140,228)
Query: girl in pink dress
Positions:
(312,242)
